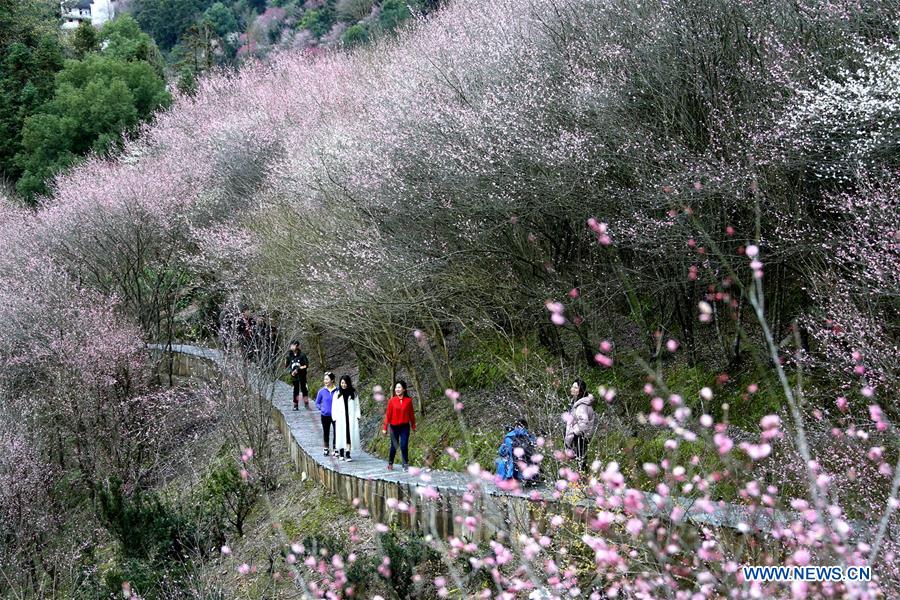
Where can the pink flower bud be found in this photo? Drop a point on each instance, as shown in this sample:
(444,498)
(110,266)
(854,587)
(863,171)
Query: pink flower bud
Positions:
(723,442)
(603,360)
(756,451)
(770,422)
(801,557)
(875,412)
(554,307)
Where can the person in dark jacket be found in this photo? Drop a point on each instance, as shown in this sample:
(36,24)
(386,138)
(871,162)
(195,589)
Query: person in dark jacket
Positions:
(298,364)
(243,329)
(263,342)
(399,418)
(227,324)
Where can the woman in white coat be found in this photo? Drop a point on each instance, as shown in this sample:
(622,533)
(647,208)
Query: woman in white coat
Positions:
(346,414)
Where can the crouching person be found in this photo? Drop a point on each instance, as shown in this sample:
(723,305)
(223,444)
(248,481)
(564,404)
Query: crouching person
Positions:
(514,460)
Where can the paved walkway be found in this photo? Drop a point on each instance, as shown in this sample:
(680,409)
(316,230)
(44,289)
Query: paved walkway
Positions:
(305,428)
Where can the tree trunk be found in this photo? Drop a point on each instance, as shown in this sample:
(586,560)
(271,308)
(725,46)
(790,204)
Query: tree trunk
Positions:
(316,336)
(586,347)
(736,344)
(418,385)
(685,313)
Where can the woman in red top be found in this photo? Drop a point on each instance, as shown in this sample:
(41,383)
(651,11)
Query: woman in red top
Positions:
(399,418)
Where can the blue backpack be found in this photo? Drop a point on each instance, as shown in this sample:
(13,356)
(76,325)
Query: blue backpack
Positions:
(507,463)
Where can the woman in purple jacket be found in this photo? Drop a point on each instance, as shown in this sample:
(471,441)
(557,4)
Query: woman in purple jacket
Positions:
(323,403)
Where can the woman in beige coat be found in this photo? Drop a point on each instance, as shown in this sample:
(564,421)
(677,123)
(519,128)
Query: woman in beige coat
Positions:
(580,421)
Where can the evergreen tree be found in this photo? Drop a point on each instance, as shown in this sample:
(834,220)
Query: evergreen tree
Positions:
(124,40)
(96,100)
(85,40)
(30,55)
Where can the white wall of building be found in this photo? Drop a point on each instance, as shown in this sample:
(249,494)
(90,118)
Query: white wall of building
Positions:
(100,12)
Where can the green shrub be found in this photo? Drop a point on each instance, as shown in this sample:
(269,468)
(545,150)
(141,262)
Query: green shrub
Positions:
(317,20)
(393,13)
(360,574)
(157,540)
(406,552)
(143,577)
(224,492)
(145,526)
(355,35)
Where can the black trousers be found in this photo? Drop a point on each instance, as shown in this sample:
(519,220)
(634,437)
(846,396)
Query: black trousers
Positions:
(579,446)
(300,387)
(327,431)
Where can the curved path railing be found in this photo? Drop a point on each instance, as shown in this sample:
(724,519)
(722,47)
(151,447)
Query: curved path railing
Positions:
(367,482)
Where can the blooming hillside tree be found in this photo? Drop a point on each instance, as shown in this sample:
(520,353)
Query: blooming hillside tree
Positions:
(710,185)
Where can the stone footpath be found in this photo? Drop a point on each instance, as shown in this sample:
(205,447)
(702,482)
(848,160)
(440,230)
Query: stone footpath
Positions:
(368,482)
